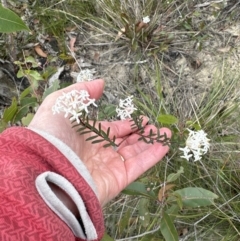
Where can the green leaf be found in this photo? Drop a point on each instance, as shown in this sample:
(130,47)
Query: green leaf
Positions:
(26,120)
(48,72)
(34,75)
(173,212)
(92,137)
(25,93)
(23,109)
(3,125)
(191,124)
(138,188)
(85,132)
(20,73)
(10,22)
(167,119)
(97,141)
(108,145)
(106,237)
(123,223)
(196,197)
(55,86)
(143,211)
(174,176)
(168,229)
(10,112)
(31,60)
(110,110)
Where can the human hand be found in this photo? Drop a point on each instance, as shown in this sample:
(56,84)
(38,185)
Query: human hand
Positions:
(112,170)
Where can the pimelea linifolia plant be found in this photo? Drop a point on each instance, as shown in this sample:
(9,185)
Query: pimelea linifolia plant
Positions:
(75,105)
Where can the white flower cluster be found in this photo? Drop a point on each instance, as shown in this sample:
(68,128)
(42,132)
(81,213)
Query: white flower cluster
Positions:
(197,144)
(73,103)
(146,19)
(85,75)
(126,108)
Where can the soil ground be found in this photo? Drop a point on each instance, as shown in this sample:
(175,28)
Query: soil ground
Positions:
(187,66)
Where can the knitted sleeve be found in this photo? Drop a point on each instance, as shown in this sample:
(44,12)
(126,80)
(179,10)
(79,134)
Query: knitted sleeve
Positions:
(29,209)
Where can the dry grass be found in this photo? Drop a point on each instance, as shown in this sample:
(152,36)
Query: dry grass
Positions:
(163,70)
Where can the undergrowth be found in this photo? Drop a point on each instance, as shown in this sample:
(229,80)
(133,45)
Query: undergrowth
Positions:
(137,215)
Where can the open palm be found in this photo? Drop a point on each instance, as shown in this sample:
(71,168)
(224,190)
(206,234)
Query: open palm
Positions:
(111,169)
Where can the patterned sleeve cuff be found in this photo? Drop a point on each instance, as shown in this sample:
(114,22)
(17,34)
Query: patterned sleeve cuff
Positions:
(84,230)
(70,155)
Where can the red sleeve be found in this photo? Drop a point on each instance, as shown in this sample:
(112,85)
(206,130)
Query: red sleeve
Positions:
(23,214)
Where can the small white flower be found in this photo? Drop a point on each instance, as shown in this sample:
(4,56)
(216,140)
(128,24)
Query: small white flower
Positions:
(85,75)
(197,144)
(126,108)
(186,152)
(73,103)
(146,19)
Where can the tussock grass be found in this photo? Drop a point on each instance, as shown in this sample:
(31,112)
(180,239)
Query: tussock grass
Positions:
(219,171)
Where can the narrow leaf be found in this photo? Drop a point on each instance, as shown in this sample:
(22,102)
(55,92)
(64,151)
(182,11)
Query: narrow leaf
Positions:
(123,223)
(108,131)
(80,129)
(91,138)
(173,211)
(168,229)
(3,125)
(26,92)
(9,112)
(174,176)
(143,211)
(97,141)
(85,132)
(108,145)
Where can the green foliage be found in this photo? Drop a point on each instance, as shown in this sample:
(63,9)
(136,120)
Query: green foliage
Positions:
(64,14)
(19,111)
(10,112)
(107,112)
(26,69)
(106,237)
(190,197)
(128,27)
(203,196)
(10,22)
(138,188)
(195,197)
(55,86)
(167,119)
(174,176)
(123,224)
(143,210)
(27,119)
(167,228)
(88,126)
